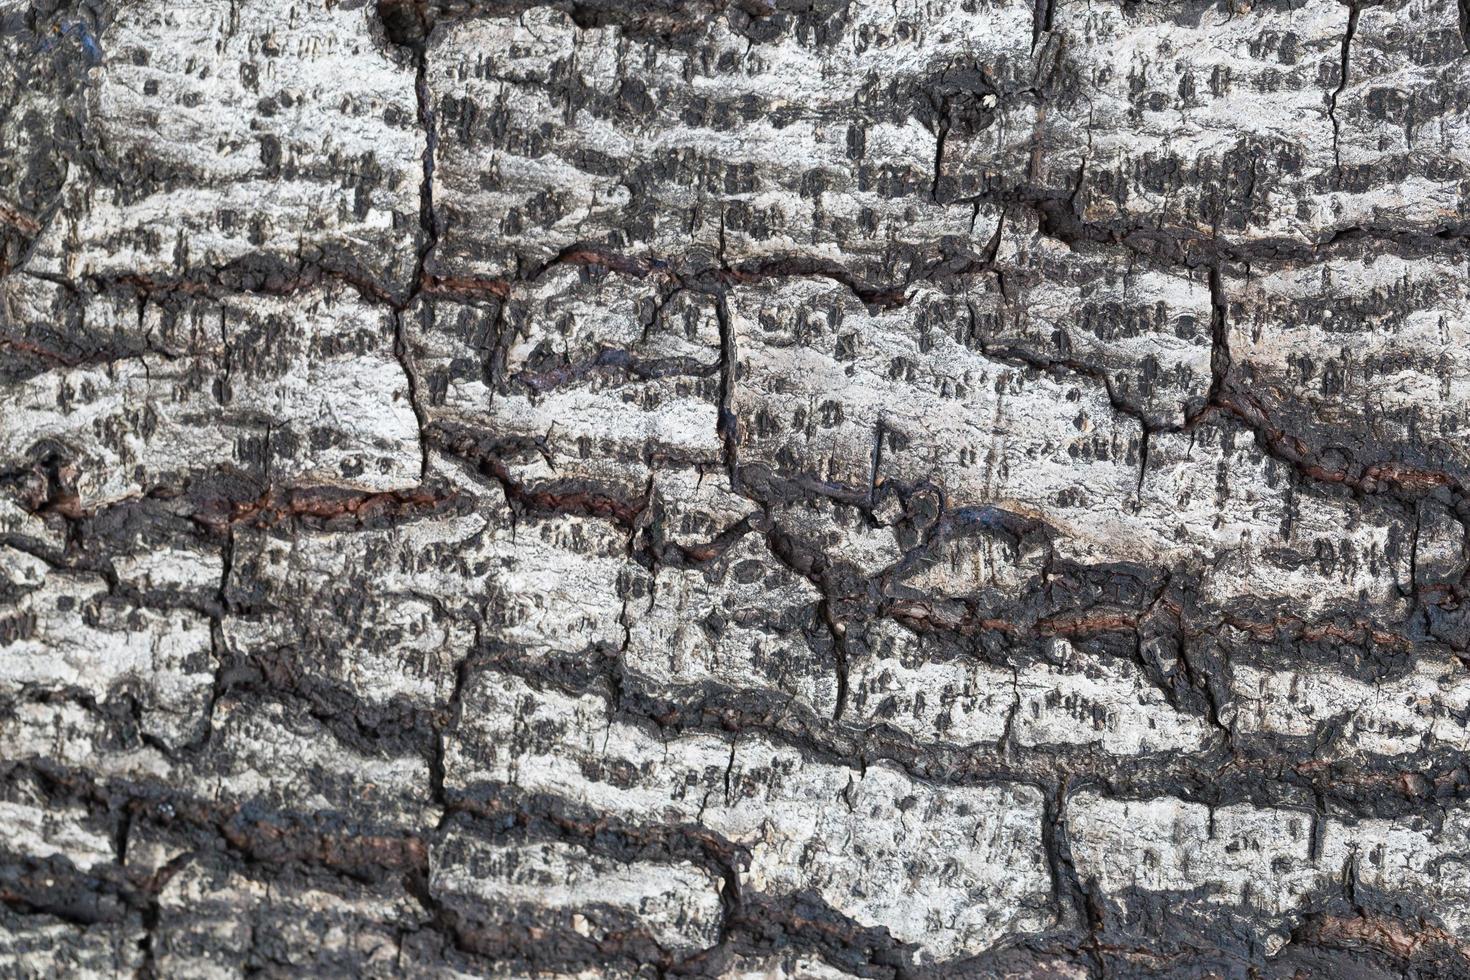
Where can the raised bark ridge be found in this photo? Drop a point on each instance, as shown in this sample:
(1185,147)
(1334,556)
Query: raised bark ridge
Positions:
(734,489)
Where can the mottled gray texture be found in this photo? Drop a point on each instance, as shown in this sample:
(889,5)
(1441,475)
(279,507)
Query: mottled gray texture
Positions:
(759,490)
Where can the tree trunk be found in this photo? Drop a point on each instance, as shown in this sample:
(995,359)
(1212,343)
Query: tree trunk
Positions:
(853,488)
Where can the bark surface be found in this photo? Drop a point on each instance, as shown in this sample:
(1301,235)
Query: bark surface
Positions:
(734,488)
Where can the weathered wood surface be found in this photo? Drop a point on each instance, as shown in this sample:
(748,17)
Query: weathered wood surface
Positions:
(863,488)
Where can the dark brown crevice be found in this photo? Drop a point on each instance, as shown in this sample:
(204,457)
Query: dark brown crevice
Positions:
(407,24)
(1041,21)
(1342,83)
(580,500)
(1220,361)
(413,389)
(727,422)
(675,22)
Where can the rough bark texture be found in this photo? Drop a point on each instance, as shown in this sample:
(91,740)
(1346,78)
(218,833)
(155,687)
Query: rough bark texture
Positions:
(822,489)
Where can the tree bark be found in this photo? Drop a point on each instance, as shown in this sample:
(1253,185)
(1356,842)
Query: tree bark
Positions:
(853,488)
